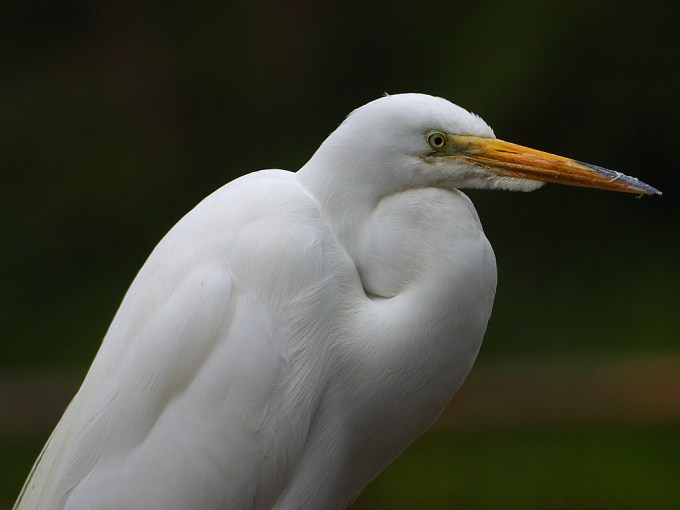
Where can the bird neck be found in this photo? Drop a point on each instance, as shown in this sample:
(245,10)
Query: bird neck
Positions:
(344,203)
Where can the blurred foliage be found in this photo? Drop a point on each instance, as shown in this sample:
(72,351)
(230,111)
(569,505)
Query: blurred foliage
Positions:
(551,469)
(118,116)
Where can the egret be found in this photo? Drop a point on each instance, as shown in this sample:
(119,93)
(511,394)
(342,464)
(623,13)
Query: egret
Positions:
(295,332)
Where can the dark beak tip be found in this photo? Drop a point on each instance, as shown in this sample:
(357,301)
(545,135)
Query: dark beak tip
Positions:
(635,184)
(649,190)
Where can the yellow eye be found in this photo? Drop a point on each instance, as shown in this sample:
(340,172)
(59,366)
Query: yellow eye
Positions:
(437,140)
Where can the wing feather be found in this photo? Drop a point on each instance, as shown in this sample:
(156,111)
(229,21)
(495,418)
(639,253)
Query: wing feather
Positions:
(188,402)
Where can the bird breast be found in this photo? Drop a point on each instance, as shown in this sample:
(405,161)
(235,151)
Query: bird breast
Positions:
(417,236)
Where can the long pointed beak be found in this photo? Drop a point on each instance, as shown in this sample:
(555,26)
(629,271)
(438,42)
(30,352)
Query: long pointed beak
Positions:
(512,160)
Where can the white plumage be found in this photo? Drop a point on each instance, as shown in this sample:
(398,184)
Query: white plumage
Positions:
(292,334)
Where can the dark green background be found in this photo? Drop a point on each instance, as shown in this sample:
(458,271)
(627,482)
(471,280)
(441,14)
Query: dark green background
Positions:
(116,118)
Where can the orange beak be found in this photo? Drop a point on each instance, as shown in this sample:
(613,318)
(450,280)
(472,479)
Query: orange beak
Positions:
(512,160)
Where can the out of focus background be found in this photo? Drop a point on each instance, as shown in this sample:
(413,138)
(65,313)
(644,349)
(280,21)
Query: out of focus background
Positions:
(117,117)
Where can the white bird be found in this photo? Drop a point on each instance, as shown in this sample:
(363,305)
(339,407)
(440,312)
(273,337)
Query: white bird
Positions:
(295,332)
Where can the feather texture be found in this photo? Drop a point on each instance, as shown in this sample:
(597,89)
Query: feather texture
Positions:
(287,339)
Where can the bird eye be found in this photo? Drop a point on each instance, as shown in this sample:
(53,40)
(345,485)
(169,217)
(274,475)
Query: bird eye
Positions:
(436,139)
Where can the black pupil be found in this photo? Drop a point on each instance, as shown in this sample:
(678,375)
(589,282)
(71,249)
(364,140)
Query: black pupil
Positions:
(438,140)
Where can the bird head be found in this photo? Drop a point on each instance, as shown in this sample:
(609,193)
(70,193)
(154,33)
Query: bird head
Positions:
(411,140)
